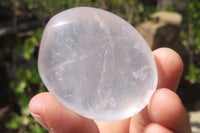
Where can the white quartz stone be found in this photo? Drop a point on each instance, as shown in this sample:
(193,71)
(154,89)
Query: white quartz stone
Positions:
(96,64)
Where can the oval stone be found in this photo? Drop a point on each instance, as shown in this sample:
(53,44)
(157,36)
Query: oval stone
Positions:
(96,64)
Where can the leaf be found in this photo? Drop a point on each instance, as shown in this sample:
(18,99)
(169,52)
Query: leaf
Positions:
(28,48)
(15,122)
(35,77)
(194,74)
(21,75)
(141,7)
(20,88)
(37,35)
(28,74)
(38,129)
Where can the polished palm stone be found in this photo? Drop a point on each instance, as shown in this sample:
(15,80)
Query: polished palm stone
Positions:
(96,64)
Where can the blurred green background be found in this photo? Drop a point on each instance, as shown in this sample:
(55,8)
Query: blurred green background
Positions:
(21,26)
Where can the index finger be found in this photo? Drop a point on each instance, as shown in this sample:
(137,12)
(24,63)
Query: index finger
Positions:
(170,67)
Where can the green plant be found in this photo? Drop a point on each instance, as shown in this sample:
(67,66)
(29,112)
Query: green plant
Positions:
(194,73)
(191,38)
(26,80)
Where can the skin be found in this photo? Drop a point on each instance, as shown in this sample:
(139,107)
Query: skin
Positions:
(165,112)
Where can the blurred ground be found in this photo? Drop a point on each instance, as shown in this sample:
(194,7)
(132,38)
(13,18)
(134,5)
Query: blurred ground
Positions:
(195,121)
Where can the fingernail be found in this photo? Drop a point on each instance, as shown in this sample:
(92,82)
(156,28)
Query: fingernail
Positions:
(37,110)
(35,115)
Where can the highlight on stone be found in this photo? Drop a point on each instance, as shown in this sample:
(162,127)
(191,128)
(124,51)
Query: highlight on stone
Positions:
(96,64)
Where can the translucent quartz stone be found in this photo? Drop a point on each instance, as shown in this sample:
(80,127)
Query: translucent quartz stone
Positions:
(96,64)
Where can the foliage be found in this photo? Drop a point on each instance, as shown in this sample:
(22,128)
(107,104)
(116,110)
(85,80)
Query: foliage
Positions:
(191,38)
(194,74)
(26,81)
(131,10)
(26,78)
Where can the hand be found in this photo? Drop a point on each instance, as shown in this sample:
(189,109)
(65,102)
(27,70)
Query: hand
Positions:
(164,114)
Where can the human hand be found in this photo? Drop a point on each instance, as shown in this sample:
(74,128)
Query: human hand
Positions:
(164,114)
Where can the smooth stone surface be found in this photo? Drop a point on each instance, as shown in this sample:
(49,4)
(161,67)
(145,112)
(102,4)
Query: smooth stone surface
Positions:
(96,64)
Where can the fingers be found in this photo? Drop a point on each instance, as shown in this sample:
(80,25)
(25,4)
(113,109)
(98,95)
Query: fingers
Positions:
(114,126)
(157,128)
(169,66)
(167,110)
(56,118)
